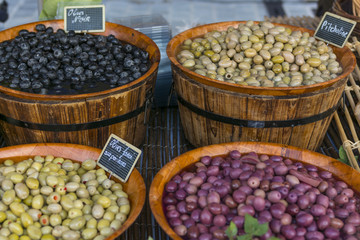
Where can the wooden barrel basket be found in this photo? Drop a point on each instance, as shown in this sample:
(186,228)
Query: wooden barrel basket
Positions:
(86,119)
(213,111)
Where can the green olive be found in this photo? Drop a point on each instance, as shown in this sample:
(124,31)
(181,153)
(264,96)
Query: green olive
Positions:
(8,197)
(26,219)
(21,190)
(37,202)
(77,223)
(97,211)
(70,235)
(89,233)
(59,230)
(17,208)
(16,228)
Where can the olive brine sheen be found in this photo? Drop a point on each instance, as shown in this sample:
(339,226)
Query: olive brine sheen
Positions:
(60,63)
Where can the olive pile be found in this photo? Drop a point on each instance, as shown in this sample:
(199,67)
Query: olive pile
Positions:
(49,62)
(54,198)
(298,201)
(260,55)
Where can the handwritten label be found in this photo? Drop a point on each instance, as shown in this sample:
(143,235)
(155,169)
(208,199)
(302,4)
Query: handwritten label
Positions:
(334,29)
(84,18)
(119,157)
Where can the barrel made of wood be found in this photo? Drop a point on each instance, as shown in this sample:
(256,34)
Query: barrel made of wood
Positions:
(213,111)
(86,119)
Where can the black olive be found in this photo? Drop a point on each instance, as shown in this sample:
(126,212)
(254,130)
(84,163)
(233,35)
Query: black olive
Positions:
(40,27)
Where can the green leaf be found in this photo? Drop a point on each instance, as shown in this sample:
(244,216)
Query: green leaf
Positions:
(231,231)
(246,236)
(261,229)
(250,224)
(274,238)
(150,238)
(343,157)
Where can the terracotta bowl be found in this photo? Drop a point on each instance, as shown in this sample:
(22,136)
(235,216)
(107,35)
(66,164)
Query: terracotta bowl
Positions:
(134,187)
(342,171)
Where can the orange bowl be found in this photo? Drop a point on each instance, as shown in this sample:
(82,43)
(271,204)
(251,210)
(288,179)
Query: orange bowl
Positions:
(339,169)
(134,187)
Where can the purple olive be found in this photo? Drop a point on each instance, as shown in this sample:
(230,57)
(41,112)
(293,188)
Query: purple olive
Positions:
(304,219)
(212,179)
(286,219)
(300,231)
(258,203)
(312,227)
(219,234)
(206,160)
(187,176)
(349,229)
(213,171)
(292,197)
(222,191)
(276,158)
(195,215)
(275,225)
(213,197)
(314,235)
(219,220)
(171,186)
(266,215)
(202,228)
(332,233)
(317,210)
(175,222)
(288,231)
(181,207)
(253,182)
(351,207)
(235,154)
(249,200)
(191,198)
(354,219)
(202,175)
(170,199)
(196,181)
(274,196)
(205,236)
(331,192)
(277,210)
(235,173)
(303,201)
(239,221)
(302,187)
(312,196)
(189,222)
(193,232)
(202,193)
(180,194)
(190,189)
(215,208)
(292,209)
(245,175)
(216,161)
(245,209)
(180,230)
(336,223)
(323,200)
(265,185)
(206,217)
(284,191)
(226,210)
(281,170)
(348,192)
(201,169)
(191,206)
(173,214)
(235,184)
(323,186)
(341,213)
(341,199)
(239,196)
(246,189)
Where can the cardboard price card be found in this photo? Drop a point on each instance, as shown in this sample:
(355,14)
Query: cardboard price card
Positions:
(84,18)
(334,29)
(119,157)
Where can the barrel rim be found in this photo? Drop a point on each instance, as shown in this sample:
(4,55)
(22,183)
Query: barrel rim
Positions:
(155,59)
(198,31)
